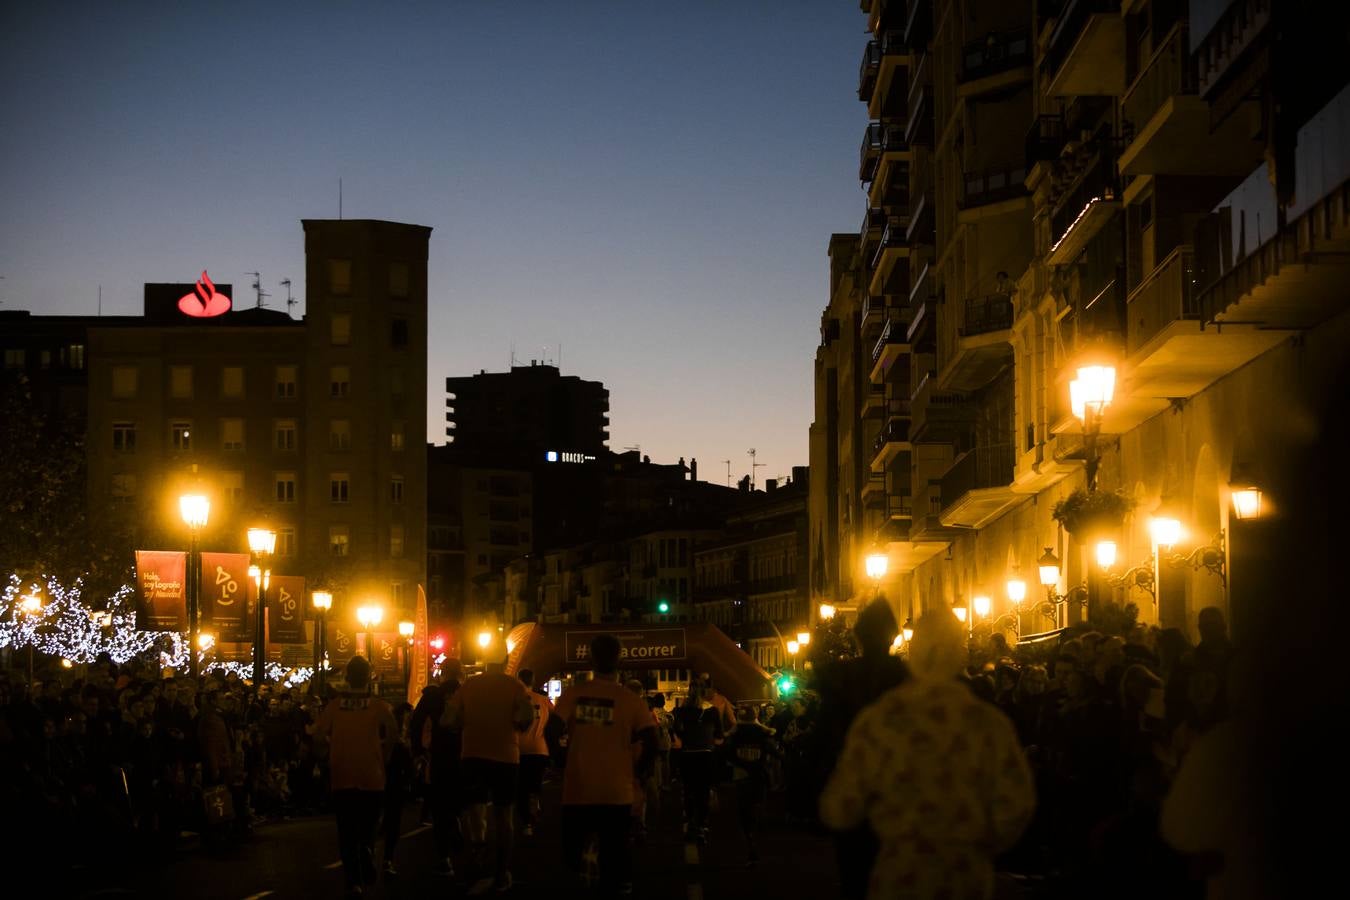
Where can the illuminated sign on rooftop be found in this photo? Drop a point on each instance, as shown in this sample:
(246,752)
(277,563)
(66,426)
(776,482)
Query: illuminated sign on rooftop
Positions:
(568,456)
(205,302)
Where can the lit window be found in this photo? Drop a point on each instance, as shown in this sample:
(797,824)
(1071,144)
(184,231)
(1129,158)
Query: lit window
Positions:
(339,540)
(232,434)
(398,279)
(341,329)
(339,381)
(396,489)
(124,437)
(76,356)
(285,432)
(340,434)
(395,540)
(180,382)
(339,485)
(285,482)
(232,486)
(285,384)
(285,542)
(232,382)
(124,382)
(180,435)
(339,276)
(396,437)
(123,486)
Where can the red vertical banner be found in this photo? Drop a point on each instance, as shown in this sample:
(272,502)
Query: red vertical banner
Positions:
(225,596)
(385,658)
(285,609)
(161,580)
(421,665)
(341,643)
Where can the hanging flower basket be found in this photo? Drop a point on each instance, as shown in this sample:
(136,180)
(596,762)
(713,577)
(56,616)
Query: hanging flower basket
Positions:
(1085,514)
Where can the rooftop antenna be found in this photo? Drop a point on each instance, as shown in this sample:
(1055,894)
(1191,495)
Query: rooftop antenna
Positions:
(728,462)
(753,466)
(257,286)
(290,301)
(339,197)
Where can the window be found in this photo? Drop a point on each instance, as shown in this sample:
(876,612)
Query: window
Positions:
(340,434)
(285,482)
(396,437)
(284,431)
(76,356)
(339,540)
(180,435)
(398,279)
(396,381)
(339,381)
(232,382)
(398,332)
(339,485)
(285,383)
(232,434)
(124,380)
(285,542)
(232,486)
(180,382)
(396,489)
(395,540)
(396,593)
(124,437)
(45,359)
(123,486)
(339,276)
(341,329)
(14,358)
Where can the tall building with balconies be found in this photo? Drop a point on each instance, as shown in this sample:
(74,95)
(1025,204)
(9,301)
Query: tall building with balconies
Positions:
(1178,207)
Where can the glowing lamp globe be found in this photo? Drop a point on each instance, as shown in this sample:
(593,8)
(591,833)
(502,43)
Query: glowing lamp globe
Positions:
(982,605)
(960,612)
(907,632)
(322,600)
(1048,566)
(405,630)
(262,541)
(1165,531)
(194,508)
(793,647)
(484,639)
(1106,554)
(1017,590)
(1247,502)
(876,565)
(1097,386)
(803,637)
(827,611)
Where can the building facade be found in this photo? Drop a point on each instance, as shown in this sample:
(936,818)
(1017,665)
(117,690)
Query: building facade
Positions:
(1175,210)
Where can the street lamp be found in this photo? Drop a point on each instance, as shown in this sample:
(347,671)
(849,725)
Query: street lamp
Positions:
(205,641)
(907,632)
(261,543)
(792,648)
(194,508)
(1106,554)
(369,616)
(1048,567)
(1089,396)
(803,638)
(484,639)
(827,611)
(323,602)
(982,605)
(1165,531)
(405,630)
(1247,502)
(876,564)
(1017,590)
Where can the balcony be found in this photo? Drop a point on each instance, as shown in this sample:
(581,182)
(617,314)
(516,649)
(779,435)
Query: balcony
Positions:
(918,23)
(1171,125)
(892,249)
(875,402)
(873,313)
(920,331)
(869,153)
(893,439)
(874,489)
(1225,45)
(939,416)
(992,55)
(868,70)
(890,178)
(993,186)
(885,101)
(922,225)
(1170,351)
(1085,208)
(892,345)
(919,125)
(1085,55)
(978,487)
(1046,139)
(982,347)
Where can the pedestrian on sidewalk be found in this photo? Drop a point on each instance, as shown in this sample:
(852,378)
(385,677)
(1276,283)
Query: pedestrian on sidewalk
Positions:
(490,710)
(361,732)
(603,721)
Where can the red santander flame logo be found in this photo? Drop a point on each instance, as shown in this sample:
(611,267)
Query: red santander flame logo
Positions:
(205,302)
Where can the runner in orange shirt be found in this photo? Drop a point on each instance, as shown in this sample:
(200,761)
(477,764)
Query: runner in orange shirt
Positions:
(533,755)
(361,732)
(490,710)
(603,720)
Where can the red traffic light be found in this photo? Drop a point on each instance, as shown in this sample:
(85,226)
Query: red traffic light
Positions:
(437,642)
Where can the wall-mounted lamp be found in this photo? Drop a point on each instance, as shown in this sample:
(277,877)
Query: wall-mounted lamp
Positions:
(1048,566)
(1165,531)
(1106,554)
(1246,501)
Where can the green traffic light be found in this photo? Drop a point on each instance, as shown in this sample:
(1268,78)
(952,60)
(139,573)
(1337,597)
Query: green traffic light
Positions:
(663,607)
(786,686)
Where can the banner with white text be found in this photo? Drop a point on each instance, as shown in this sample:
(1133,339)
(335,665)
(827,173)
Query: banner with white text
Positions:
(161,577)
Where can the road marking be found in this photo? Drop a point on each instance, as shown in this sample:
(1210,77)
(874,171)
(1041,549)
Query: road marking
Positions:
(417,831)
(336,865)
(259,895)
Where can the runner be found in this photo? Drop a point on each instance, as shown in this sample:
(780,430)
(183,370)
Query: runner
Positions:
(361,732)
(603,721)
(700,730)
(490,710)
(533,755)
(752,745)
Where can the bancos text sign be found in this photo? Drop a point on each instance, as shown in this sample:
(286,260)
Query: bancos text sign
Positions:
(652,646)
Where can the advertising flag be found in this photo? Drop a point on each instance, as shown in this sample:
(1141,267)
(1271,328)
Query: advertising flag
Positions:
(224,596)
(161,578)
(285,604)
(341,644)
(417,677)
(385,658)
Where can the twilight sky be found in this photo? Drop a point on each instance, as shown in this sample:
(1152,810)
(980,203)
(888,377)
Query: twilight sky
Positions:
(650,185)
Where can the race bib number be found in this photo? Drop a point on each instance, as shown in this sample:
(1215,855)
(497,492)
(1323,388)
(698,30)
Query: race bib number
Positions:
(748,754)
(595,711)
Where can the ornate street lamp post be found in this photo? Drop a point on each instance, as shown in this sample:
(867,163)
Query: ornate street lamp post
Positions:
(323,602)
(194,508)
(261,543)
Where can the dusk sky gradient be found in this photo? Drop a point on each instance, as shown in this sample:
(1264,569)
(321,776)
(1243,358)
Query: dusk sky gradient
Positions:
(650,185)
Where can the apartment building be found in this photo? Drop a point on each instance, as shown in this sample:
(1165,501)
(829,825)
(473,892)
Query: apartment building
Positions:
(1157,185)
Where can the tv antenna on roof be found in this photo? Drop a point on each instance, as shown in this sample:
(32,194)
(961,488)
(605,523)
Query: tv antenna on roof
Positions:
(728,462)
(290,301)
(257,286)
(753,466)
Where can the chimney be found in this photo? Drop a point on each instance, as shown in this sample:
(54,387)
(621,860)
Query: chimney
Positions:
(770,485)
(800,474)
(693,469)
(744,485)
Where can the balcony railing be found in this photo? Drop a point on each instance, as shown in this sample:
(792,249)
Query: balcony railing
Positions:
(1098,182)
(870,151)
(896,430)
(1169,72)
(995,53)
(987,314)
(983,467)
(1046,139)
(874,221)
(868,70)
(993,186)
(1166,296)
(1069,25)
(893,332)
(892,238)
(918,22)
(900,506)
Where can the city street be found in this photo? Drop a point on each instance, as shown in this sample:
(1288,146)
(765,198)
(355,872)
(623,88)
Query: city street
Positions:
(298,858)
